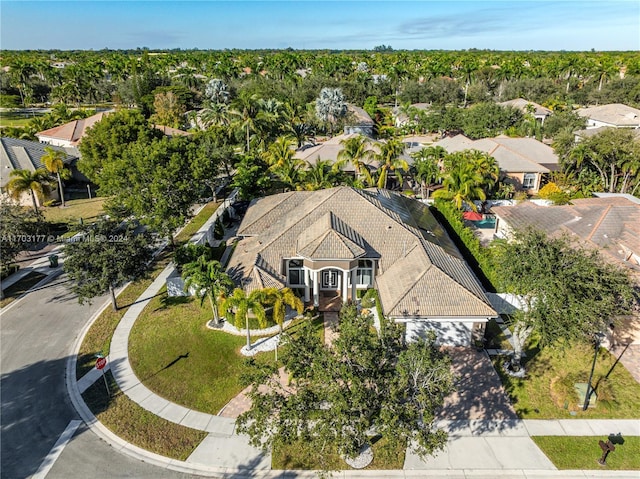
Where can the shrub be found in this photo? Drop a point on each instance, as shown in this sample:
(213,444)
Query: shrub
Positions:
(481,257)
(369,299)
(191,252)
(552,192)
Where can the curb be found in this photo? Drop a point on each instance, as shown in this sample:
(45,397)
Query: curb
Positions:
(50,277)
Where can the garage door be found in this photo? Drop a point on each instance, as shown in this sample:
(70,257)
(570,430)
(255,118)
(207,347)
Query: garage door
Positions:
(448,333)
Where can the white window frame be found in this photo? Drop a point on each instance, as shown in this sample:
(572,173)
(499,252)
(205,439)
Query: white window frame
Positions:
(525,182)
(362,270)
(299,269)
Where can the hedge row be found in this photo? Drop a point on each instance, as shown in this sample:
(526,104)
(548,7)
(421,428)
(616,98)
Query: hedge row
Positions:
(478,257)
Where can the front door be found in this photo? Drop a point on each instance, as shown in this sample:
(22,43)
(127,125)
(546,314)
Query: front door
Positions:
(330,280)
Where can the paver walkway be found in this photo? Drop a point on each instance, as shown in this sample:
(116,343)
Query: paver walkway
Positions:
(484,433)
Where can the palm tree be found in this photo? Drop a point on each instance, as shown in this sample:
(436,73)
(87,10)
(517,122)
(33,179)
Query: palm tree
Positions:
(462,185)
(355,150)
(280,152)
(209,279)
(37,183)
(53,162)
(319,175)
(389,158)
(427,166)
(243,303)
(246,108)
(279,299)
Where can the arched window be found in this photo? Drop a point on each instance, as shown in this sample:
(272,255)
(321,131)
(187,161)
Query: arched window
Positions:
(295,272)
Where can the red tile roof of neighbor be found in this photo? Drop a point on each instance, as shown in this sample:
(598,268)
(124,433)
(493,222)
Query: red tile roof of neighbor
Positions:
(74,130)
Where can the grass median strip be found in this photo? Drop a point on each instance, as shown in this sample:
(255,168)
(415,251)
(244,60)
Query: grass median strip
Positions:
(138,426)
(578,452)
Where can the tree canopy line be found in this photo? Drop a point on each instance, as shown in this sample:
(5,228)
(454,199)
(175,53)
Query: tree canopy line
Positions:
(248,112)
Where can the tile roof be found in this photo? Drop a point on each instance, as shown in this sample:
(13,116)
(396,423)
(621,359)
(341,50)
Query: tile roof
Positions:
(514,155)
(615,114)
(521,104)
(330,149)
(23,155)
(611,224)
(346,223)
(72,131)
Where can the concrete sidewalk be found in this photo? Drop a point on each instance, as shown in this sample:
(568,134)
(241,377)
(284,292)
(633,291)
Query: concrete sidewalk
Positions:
(39,265)
(476,448)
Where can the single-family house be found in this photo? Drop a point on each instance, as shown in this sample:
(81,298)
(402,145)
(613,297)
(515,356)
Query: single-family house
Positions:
(358,122)
(330,149)
(524,161)
(70,134)
(527,107)
(610,223)
(26,155)
(614,115)
(335,242)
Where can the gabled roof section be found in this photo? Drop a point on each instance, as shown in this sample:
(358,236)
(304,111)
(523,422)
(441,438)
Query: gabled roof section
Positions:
(72,131)
(342,222)
(616,114)
(522,105)
(330,238)
(23,155)
(514,155)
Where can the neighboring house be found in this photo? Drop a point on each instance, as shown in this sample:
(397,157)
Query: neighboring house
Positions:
(358,121)
(330,149)
(170,132)
(26,155)
(610,223)
(70,134)
(539,112)
(401,118)
(337,241)
(615,115)
(524,161)
(590,132)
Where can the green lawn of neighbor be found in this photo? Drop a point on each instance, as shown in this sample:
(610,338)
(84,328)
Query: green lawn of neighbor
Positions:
(87,209)
(548,392)
(583,452)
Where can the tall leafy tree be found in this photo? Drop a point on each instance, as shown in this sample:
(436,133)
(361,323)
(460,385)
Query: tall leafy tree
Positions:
(54,162)
(331,106)
(37,183)
(462,185)
(208,279)
(16,223)
(106,256)
(357,151)
(338,394)
(569,293)
(426,167)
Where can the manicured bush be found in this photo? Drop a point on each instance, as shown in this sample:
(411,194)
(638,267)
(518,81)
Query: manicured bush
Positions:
(478,257)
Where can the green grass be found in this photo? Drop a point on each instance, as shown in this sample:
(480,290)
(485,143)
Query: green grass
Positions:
(175,355)
(583,452)
(495,337)
(547,391)
(87,209)
(98,338)
(20,287)
(138,426)
(14,119)
(302,455)
(197,221)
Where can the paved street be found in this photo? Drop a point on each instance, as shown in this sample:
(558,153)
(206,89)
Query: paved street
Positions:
(36,335)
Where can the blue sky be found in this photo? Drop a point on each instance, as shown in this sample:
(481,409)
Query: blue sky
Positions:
(450,25)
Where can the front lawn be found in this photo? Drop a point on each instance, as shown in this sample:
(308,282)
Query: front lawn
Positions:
(583,452)
(175,355)
(548,390)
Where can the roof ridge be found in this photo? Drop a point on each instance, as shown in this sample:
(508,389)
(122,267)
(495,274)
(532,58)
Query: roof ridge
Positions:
(604,214)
